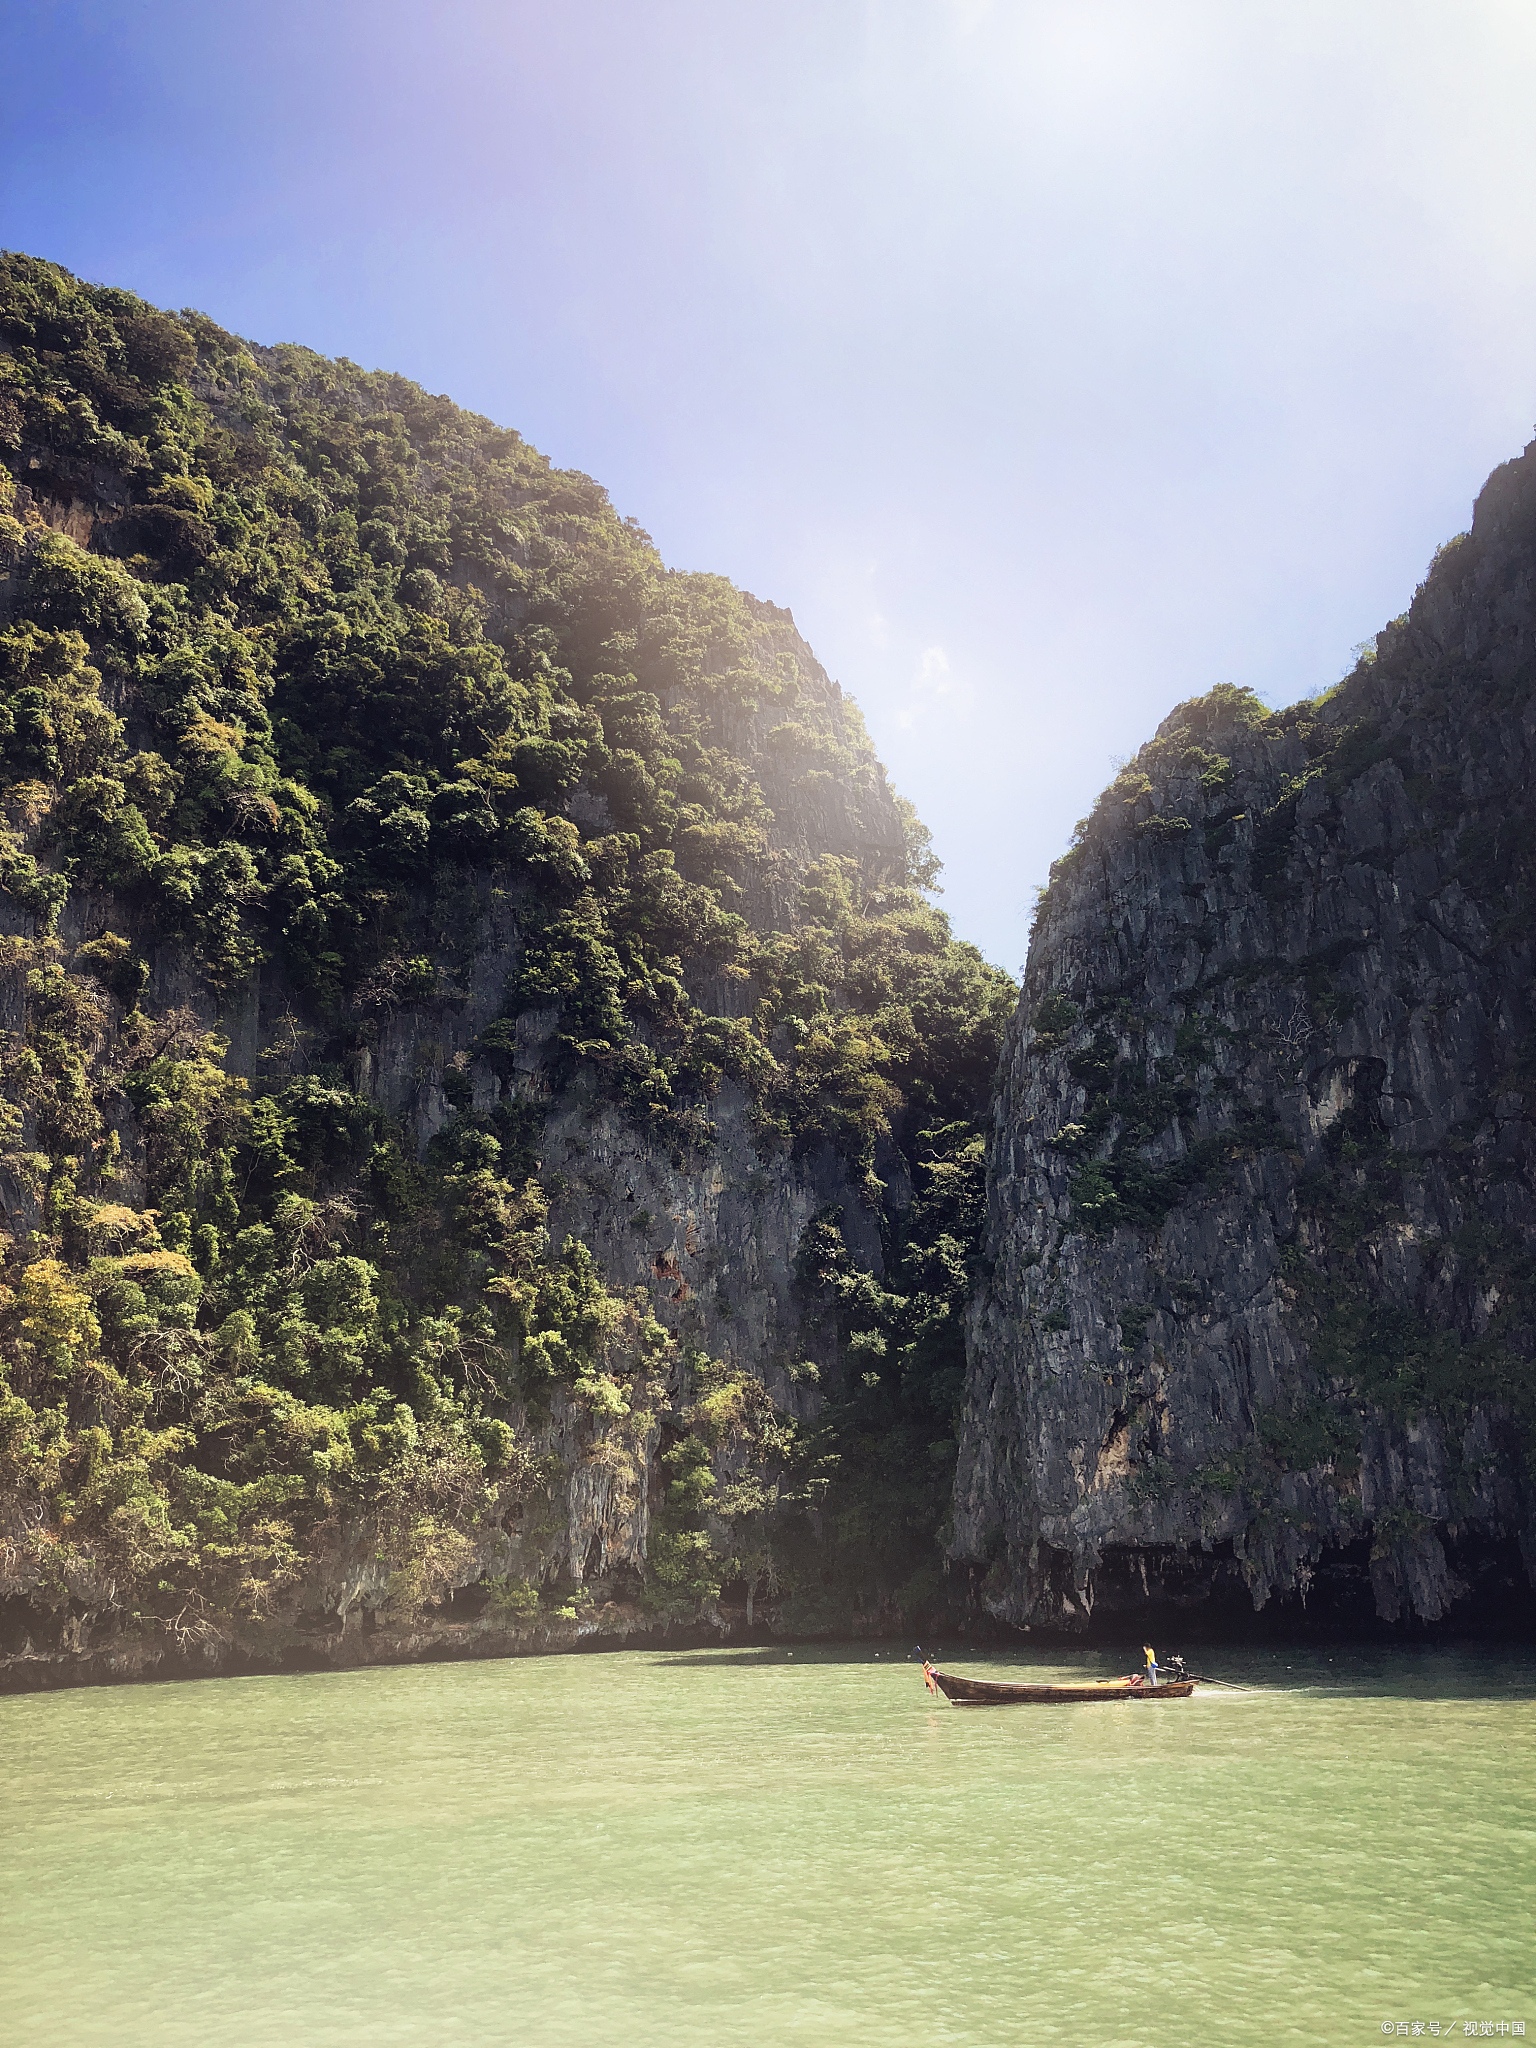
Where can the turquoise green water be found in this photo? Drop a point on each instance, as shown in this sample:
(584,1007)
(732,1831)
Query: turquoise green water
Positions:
(754,1847)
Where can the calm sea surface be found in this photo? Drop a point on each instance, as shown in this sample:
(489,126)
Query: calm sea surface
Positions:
(762,1848)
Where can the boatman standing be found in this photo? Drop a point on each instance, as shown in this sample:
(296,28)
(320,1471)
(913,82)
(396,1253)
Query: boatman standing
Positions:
(1151,1656)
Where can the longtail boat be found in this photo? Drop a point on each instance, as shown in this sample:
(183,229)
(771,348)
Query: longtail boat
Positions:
(991,1692)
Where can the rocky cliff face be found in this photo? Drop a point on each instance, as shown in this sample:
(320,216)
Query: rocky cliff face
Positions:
(1258,1315)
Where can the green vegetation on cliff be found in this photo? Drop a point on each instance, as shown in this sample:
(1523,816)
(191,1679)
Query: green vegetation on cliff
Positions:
(306,678)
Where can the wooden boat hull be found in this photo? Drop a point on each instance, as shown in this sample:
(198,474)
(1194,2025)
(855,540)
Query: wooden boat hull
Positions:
(989,1692)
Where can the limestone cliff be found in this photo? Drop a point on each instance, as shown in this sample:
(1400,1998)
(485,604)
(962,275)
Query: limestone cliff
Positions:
(1258,1314)
(488,1116)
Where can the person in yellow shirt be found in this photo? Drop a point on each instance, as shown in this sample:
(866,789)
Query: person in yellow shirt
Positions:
(1151,1656)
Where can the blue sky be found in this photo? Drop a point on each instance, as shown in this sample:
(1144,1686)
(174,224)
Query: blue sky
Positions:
(1051,361)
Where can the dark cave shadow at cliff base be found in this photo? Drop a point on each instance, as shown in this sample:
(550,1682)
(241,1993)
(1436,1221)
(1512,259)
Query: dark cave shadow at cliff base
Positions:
(1214,1606)
(1213,1617)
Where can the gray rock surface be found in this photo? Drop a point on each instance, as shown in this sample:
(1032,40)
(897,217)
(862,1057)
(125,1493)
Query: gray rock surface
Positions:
(1262,1220)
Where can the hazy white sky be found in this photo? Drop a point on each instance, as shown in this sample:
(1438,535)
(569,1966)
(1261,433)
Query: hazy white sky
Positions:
(1051,361)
